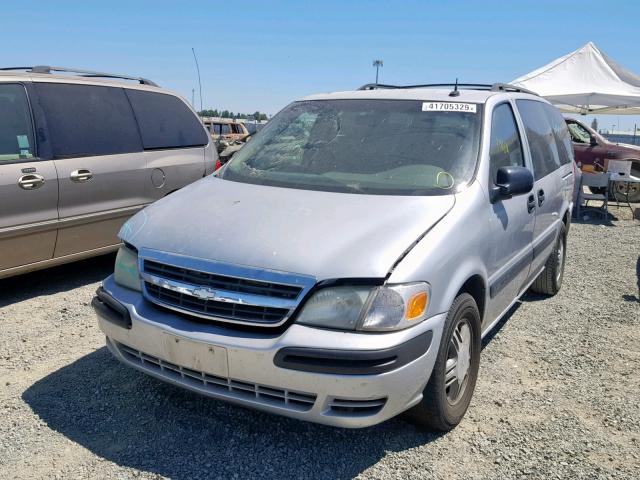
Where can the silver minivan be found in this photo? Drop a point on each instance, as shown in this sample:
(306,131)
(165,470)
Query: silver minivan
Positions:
(343,267)
(80,154)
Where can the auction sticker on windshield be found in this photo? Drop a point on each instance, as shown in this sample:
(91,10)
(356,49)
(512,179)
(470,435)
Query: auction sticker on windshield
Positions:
(448,107)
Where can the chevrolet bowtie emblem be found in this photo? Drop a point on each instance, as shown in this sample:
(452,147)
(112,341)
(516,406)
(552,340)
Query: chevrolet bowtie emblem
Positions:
(204,293)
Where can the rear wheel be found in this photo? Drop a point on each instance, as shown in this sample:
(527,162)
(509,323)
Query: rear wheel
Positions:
(448,393)
(550,280)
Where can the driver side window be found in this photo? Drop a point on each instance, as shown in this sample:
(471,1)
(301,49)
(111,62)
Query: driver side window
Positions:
(506,147)
(578,134)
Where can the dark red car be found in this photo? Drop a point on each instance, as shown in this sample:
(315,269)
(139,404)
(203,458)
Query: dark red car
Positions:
(592,149)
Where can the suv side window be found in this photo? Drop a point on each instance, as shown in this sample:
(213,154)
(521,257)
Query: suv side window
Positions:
(506,147)
(88,120)
(165,121)
(16,128)
(542,142)
(560,132)
(226,128)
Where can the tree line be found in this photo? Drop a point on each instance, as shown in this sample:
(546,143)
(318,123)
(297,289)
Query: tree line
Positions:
(227,114)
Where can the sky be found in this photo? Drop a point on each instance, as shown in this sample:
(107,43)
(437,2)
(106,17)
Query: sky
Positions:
(262,55)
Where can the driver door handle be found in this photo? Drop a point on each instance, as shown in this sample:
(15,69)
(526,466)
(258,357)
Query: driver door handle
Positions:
(540,197)
(81,175)
(31,181)
(531,203)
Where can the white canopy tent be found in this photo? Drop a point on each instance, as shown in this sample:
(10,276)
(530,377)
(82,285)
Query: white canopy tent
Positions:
(586,81)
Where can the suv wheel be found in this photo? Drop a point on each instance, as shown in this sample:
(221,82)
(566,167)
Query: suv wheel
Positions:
(550,280)
(448,393)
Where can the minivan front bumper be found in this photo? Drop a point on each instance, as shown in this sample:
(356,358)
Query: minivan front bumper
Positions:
(336,378)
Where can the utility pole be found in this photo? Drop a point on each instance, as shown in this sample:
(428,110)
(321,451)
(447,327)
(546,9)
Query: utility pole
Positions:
(378,64)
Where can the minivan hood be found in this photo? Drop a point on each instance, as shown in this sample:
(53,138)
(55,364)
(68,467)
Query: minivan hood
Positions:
(322,234)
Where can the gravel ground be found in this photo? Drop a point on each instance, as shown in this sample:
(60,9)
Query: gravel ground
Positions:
(558,394)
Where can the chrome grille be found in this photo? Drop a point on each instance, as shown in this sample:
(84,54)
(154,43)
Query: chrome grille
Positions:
(249,313)
(229,284)
(217,386)
(221,292)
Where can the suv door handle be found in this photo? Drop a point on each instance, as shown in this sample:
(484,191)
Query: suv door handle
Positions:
(531,203)
(31,181)
(81,175)
(540,197)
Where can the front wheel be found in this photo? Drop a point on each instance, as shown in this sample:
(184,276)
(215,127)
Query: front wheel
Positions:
(448,393)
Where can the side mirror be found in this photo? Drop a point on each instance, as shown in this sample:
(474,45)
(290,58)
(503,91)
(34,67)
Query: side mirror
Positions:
(593,141)
(511,181)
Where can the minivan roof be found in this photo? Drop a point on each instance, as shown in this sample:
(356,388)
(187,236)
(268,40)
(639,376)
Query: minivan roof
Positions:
(17,74)
(437,94)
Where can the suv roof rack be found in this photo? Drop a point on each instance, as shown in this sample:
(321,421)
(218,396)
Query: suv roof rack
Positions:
(493,87)
(80,73)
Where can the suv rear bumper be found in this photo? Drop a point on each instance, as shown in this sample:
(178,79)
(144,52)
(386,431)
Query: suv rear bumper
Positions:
(241,367)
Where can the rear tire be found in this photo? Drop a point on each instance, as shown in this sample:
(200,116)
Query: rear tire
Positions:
(449,390)
(549,281)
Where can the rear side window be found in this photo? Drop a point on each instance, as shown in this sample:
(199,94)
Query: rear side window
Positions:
(560,132)
(506,147)
(16,132)
(166,121)
(542,142)
(226,128)
(87,120)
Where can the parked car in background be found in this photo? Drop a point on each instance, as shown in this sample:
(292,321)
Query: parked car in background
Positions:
(80,154)
(229,135)
(592,152)
(225,129)
(229,151)
(360,246)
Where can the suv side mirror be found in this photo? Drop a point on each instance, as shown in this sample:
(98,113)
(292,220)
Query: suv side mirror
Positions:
(511,181)
(593,141)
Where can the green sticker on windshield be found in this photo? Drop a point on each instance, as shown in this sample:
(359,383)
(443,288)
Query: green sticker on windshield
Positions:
(23,142)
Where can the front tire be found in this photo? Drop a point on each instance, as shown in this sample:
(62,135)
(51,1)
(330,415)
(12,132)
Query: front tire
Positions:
(549,281)
(449,390)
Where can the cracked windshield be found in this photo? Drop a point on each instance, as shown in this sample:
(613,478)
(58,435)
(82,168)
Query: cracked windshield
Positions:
(385,147)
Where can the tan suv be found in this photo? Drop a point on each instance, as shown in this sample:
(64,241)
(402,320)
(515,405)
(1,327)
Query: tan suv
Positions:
(80,154)
(225,129)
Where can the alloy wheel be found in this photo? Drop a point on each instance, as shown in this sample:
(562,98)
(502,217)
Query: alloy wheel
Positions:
(560,260)
(458,361)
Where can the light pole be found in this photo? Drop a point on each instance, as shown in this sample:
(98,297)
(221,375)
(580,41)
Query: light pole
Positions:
(377,64)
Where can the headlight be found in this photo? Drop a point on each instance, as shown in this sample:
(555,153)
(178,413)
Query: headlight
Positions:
(126,271)
(391,307)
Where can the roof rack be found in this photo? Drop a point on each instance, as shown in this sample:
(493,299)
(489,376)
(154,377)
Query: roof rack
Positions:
(493,87)
(80,73)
